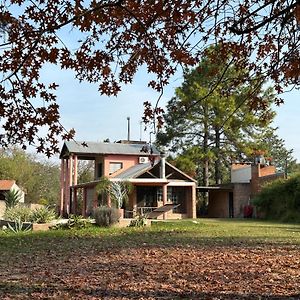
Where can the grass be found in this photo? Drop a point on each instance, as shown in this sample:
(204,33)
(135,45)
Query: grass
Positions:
(200,232)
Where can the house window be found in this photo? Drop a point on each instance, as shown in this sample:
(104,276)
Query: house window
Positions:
(159,195)
(114,167)
(172,197)
(175,195)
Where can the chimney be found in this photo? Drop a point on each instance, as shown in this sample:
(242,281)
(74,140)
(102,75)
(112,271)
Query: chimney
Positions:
(162,165)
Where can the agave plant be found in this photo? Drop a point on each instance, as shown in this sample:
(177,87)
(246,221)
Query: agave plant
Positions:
(18,226)
(42,215)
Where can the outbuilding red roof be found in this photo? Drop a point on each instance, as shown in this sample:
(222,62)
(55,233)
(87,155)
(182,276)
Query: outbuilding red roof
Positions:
(6,185)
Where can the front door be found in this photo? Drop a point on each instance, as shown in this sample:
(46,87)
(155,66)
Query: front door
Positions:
(146,196)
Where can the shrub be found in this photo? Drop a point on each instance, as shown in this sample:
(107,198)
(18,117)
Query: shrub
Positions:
(12,198)
(138,221)
(74,222)
(106,216)
(280,200)
(43,201)
(23,214)
(42,215)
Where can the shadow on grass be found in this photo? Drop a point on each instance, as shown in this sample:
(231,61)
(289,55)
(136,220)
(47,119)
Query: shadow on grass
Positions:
(196,233)
(133,238)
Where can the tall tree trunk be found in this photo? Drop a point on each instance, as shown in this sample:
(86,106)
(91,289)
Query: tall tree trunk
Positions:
(205,161)
(205,152)
(205,148)
(218,178)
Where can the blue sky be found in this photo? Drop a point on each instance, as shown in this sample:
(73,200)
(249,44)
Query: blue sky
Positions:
(288,121)
(97,117)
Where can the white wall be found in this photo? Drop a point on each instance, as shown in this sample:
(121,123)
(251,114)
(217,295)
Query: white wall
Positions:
(241,175)
(2,208)
(22,194)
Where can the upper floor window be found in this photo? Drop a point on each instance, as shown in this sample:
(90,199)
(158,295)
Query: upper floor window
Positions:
(114,167)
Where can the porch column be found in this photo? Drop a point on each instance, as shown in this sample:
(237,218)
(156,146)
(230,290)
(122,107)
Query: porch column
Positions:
(70,183)
(70,171)
(84,196)
(67,188)
(74,207)
(194,213)
(164,197)
(75,159)
(134,202)
(62,186)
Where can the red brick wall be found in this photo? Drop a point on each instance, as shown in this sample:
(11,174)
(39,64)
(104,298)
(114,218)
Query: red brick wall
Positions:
(267,170)
(261,175)
(241,196)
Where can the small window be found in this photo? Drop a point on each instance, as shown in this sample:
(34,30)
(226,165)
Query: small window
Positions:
(114,167)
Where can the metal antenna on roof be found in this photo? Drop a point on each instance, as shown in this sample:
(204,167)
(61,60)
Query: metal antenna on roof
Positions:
(141,130)
(128,128)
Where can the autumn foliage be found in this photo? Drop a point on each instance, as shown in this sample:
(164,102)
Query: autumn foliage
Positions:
(111,40)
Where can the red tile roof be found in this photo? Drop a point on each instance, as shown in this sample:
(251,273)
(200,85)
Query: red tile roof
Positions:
(6,185)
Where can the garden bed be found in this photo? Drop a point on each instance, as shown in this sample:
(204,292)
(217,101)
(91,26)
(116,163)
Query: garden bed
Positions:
(126,222)
(28,225)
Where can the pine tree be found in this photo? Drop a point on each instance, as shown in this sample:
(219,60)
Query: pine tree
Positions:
(221,123)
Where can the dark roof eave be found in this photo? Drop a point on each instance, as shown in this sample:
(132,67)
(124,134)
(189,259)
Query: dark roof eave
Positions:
(228,187)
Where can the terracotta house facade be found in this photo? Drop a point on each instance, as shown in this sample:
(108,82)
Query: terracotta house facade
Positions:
(156,183)
(230,200)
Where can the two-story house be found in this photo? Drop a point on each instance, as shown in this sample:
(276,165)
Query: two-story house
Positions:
(157,185)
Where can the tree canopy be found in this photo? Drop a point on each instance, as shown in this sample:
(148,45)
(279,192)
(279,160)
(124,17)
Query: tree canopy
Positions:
(117,37)
(219,128)
(274,149)
(39,179)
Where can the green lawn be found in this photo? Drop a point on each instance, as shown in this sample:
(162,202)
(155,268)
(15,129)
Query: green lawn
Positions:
(163,233)
(210,258)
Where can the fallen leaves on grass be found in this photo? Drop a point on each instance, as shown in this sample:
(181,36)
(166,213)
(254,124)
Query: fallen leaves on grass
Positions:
(221,272)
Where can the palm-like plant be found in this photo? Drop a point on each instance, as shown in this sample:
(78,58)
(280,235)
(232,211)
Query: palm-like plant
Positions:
(12,198)
(118,191)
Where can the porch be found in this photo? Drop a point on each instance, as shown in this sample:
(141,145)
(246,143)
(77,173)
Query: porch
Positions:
(169,201)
